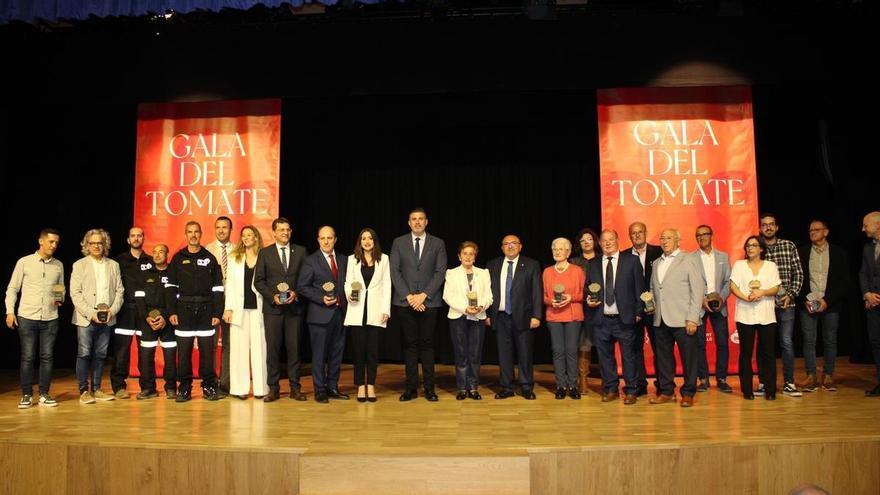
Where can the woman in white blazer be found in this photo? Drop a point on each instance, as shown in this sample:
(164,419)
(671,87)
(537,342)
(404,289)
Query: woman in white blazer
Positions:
(368,267)
(95,281)
(244,315)
(466,315)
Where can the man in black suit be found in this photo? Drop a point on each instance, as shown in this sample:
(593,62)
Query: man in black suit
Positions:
(326,313)
(418,269)
(869,282)
(826,279)
(277,264)
(646,253)
(617,315)
(516,310)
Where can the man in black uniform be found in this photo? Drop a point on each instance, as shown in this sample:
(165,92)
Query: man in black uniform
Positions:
(155,329)
(131,264)
(194,299)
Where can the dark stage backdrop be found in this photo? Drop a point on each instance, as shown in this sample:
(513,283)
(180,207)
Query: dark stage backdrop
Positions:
(490,137)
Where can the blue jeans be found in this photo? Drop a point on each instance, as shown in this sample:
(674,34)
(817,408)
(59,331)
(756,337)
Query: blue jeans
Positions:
(564,338)
(722,347)
(785,321)
(30,331)
(92,344)
(467,345)
(810,326)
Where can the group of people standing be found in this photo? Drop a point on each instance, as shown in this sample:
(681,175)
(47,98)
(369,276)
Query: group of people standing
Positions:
(258,297)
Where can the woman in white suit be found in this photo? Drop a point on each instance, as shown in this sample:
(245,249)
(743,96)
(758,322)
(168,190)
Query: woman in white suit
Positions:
(466,315)
(244,315)
(369,312)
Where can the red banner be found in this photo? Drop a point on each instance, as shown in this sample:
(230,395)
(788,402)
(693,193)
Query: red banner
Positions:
(198,161)
(678,158)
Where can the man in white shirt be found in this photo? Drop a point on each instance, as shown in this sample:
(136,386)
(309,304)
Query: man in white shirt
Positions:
(221,248)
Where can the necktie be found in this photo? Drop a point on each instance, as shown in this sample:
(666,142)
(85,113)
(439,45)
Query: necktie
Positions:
(284,258)
(507,285)
(609,282)
(333,268)
(418,248)
(224,258)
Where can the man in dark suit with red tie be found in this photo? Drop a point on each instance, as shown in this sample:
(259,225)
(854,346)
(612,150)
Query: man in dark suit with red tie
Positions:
(321,270)
(617,315)
(278,264)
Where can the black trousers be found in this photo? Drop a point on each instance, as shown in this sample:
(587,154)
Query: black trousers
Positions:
(639,353)
(195,323)
(872,317)
(365,353)
(282,330)
(417,332)
(667,337)
(150,341)
(514,343)
(766,356)
(126,323)
(222,338)
(606,332)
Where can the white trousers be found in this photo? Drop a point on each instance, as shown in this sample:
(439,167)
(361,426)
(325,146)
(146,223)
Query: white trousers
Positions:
(247,354)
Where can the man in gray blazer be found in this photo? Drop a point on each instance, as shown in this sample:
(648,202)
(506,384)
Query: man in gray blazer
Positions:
(96,291)
(678,291)
(715,267)
(418,269)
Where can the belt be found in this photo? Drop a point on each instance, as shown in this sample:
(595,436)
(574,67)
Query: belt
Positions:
(194,299)
(611,317)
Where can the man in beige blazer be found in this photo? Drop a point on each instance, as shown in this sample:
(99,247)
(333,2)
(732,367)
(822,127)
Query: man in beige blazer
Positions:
(678,287)
(96,291)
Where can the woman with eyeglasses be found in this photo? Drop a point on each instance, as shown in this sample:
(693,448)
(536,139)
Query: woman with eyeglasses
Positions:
(755,281)
(584,254)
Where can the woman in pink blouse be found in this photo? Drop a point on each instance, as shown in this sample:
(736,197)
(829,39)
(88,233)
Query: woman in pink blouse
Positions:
(564,298)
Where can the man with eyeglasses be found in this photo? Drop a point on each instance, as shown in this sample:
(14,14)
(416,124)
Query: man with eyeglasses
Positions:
(784,254)
(715,266)
(515,313)
(826,277)
(869,282)
(646,253)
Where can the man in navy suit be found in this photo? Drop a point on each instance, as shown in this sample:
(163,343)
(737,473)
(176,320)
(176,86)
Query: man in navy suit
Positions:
(326,313)
(616,315)
(516,310)
(418,269)
(869,282)
(279,263)
(646,253)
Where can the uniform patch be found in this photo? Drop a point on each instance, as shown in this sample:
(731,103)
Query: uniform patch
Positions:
(150,280)
(146,266)
(185,262)
(203,261)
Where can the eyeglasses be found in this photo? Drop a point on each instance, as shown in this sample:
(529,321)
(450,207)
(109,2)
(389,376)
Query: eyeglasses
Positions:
(510,244)
(752,246)
(704,234)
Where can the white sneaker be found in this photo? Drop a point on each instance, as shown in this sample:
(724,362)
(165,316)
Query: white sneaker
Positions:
(25,402)
(791,390)
(760,390)
(48,401)
(100,395)
(86,398)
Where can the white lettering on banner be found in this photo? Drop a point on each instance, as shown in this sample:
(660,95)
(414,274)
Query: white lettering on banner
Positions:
(673,153)
(186,146)
(211,202)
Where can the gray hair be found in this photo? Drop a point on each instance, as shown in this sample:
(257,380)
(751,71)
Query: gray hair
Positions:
(674,232)
(105,238)
(562,240)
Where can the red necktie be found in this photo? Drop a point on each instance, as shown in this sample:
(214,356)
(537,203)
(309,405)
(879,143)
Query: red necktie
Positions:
(333,268)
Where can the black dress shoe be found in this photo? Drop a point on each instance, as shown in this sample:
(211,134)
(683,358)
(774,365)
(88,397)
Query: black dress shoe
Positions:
(336,394)
(769,396)
(211,394)
(574,394)
(183,395)
(372,399)
(560,393)
(272,396)
(703,385)
(321,397)
(504,394)
(296,394)
(462,395)
(170,394)
(473,394)
(724,387)
(408,395)
(528,395)
(430,395)
(749,396)
(874,392)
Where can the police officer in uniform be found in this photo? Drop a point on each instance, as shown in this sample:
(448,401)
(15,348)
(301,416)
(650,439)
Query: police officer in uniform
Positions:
(131,265)
(155,329)
(194,300)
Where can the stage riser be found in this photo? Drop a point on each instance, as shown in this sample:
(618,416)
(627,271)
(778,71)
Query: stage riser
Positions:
(851,468)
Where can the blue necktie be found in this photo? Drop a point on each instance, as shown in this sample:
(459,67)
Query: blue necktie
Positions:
(418,249)
(507,285)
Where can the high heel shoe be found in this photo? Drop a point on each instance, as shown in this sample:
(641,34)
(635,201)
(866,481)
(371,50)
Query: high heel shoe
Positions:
(371,393)
(362,393)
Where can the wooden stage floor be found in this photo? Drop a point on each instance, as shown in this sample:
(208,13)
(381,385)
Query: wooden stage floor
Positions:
(724,444)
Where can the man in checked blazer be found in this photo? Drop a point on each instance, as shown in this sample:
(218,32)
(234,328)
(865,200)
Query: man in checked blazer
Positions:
(418,269)
(678,289)
(278,263)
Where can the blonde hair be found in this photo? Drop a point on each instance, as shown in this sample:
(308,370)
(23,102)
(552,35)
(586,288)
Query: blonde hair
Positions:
(105,238)
(239,249)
